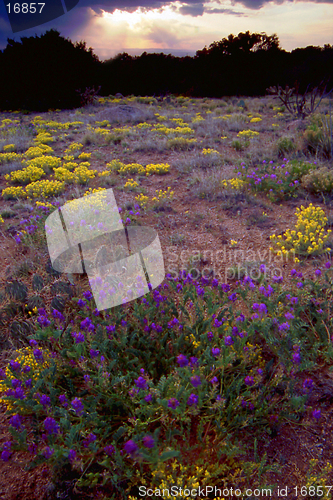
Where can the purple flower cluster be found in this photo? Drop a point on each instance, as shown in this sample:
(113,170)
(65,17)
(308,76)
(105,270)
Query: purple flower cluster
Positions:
(296,357)
(51,426)
(87,324)
(148,441)
(15,421)
(90,439)
(77,405)
(6,451)
(141,383)
(130,447)
(192,400)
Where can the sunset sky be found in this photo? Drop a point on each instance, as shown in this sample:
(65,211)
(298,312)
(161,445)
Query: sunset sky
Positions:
(180,28)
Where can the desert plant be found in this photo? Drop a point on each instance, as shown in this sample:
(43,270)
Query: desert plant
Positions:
(317,138)
(319,181)
(298,105)
(284,145)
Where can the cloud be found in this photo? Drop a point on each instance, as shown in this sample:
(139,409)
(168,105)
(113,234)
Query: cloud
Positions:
(225,11)
(194,10)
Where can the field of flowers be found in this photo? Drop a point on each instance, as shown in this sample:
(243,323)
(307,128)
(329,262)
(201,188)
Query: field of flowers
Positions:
(220,377)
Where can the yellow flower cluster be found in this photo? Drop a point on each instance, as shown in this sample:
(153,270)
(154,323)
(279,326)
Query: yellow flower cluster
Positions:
(47,204)
(164,195)
(8,121)
(308,238)
(75,146)
(1,220)
(45,162)
(63,174)
(69,165)
(198,118)
(181,130)
(131,168)
(51,124)
(104,173)
(195,343)
(209,151)
(26,175)
(162,129)
(122,130)
(13,192)
(103,123)
(97,199)
(143,125)
(142,199)
(114,165)
(8,157)
(233,243)
(180,121)
(158,168)
(84,156)
(101,131)
(131,183)
(9,147)
(68,157)
(248,134)
(43,138)
(40,150)
(234,183)
(44,189)
(94,191)
(160,118)
(26,358)
(83,174)
(255,119)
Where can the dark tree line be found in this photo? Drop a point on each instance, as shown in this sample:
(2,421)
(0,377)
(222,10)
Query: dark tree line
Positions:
(51,72)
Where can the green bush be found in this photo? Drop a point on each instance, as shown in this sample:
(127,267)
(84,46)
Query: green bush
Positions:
(319,181)
(284,146)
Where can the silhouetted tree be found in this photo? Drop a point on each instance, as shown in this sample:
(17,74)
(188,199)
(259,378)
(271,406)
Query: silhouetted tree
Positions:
(46,72)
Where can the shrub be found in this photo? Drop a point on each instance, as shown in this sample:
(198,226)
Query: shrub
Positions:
(308,237)
(277,181)
(181,143)
(284,145)
(319,181)
(317,138)
(238,145)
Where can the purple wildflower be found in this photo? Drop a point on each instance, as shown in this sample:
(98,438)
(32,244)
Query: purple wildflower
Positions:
(141,383)
(316,414)
(51,426)
(48,452)
(15,421)
(192,400)
(195,381)
(182,360)
(130,447)
(148,441)
(173,403)
(78,406)
(249,381)
(71,455)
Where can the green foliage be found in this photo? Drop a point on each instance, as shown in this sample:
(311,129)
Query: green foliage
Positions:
(145,379)
(284,145)
(279,182)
